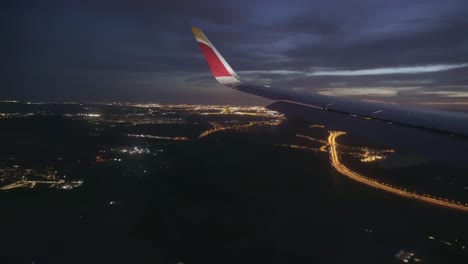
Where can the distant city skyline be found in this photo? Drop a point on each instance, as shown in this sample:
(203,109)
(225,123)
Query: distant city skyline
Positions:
(143,51)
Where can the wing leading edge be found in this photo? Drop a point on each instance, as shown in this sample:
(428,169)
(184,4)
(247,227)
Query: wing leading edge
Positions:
(449,126)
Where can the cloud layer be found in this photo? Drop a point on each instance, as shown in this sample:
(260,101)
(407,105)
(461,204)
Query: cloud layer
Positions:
(392,70)
(144,50)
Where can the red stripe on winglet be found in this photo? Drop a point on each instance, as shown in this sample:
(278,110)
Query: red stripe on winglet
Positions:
(214,62)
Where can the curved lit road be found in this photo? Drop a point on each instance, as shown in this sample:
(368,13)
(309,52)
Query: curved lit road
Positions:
(335,161)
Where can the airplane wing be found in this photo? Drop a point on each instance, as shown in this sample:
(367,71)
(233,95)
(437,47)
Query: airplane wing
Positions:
(440,135)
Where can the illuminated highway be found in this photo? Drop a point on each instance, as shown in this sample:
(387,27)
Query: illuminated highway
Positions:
(363,153)
(312,139)
(159,137)
(218,127)
(335,161)
(293,146)
(59,184)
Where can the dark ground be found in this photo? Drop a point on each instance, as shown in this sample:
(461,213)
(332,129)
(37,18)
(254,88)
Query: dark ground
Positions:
(233,197)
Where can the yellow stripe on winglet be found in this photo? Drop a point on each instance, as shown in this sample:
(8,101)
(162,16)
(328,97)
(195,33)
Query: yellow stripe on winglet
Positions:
(199,34)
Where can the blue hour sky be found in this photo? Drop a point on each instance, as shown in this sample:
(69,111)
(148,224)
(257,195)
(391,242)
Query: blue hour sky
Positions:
(406,52)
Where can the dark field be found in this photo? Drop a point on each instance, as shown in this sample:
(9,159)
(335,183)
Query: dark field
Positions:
(237,195)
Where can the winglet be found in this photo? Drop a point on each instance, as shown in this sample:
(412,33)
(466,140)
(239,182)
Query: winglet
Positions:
(218,65)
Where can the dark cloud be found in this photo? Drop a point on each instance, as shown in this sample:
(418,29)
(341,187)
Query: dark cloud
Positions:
(144,50)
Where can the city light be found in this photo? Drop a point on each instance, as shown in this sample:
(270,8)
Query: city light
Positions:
(158,137)
(29,178)
(218,127)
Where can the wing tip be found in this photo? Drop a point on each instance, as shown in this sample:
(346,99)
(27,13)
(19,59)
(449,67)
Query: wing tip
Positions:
(198,33)
(195,30)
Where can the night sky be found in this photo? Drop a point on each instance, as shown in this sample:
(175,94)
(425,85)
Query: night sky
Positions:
(396,51)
